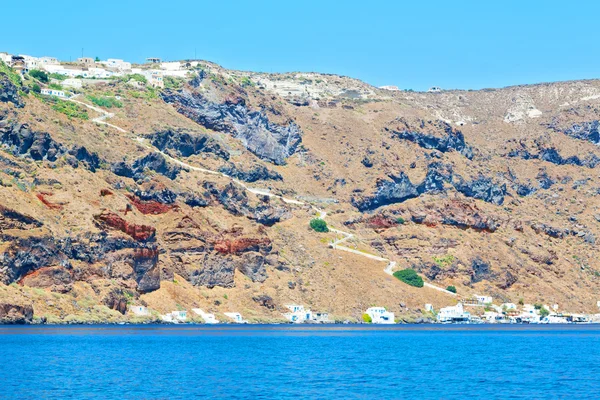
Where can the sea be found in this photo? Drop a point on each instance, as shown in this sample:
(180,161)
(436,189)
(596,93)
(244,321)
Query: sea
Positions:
(300,362)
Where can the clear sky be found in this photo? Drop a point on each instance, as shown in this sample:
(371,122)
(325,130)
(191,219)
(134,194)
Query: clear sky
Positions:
(412,44)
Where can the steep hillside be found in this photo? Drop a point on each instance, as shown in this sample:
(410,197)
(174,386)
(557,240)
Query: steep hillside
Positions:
(200,195)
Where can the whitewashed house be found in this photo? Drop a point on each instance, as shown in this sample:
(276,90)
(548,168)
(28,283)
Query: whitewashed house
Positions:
(483,299)
(5,58)
(43,61)
(54,92)
(528,314)
(435,89)
(140,311)
(208,318)
(453,314)
(118,64)
(297,314)
(320,317)
(236,317)
(175,317)
(428,307)
(379,315)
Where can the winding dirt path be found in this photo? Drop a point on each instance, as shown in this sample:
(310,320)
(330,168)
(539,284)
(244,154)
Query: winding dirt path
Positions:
(322,214)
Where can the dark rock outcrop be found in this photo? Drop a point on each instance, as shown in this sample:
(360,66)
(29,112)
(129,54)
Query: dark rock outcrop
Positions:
(256,173)
(216,271)
(154,161)
(399,188)
(253,266)
(480,270)
(553,156)
(396,190)
(25,255)
(57,279)
(9,92)
(235,200)
(10,219)
(454,139)
(264,301)
(116,300)
(186,144)
(482,188)
(267,140)
(588,131)
(15,313)
(147,271)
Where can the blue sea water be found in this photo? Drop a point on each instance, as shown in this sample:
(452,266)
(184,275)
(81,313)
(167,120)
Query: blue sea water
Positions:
(297,362)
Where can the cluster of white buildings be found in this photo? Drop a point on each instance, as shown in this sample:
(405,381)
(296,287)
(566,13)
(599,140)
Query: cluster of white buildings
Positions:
(299,315)
(89,68)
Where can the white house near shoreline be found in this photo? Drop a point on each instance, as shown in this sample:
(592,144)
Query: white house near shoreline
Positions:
(453,314)
(207,317)
(379,315)
(236,317)
(140,311)
(297,314)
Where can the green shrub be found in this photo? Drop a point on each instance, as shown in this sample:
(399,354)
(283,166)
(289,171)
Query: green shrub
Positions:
(319,225)
(36,88)
(444,261)
(451,288)
(106,102)
(400,221)
(58,77)
(55,86)
(14,77)
(366,318)
(70,109)
(544,312)
(410,277)
(246,82)
(39,75)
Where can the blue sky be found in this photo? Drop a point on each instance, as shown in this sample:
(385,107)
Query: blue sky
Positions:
(411,44)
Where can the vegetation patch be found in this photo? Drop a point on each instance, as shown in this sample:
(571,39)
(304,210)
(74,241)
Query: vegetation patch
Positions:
(410,277)
(70,109)
(366,318)
(319,225)
(104,101)
(444,261)
(39,75)
(12,75)
(451,288)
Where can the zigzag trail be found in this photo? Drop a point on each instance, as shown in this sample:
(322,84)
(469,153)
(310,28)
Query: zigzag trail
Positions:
(389,269)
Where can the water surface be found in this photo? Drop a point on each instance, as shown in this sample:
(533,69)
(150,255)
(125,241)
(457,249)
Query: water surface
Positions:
(294,362)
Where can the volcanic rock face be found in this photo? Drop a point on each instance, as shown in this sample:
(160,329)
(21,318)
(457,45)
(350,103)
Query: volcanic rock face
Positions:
(25,255)
(453,139)
(253,174)
(57,279)
(15,313)
(235,200)
(154,161)
(145,265)
(552,155)
(460,214)
(9,92)
(186,144)
(588,131)
(267,140)
(399,188)
(10,219)
(113,221)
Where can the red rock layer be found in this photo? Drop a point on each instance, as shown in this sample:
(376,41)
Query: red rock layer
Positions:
(138,232)
(151,206)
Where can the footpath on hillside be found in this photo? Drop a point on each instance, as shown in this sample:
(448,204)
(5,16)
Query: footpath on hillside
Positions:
(390,265)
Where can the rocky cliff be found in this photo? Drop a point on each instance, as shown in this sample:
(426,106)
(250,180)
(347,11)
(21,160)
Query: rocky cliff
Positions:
(203,198)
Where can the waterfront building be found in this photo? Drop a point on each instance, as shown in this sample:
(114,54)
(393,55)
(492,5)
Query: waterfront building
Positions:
(379,315)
